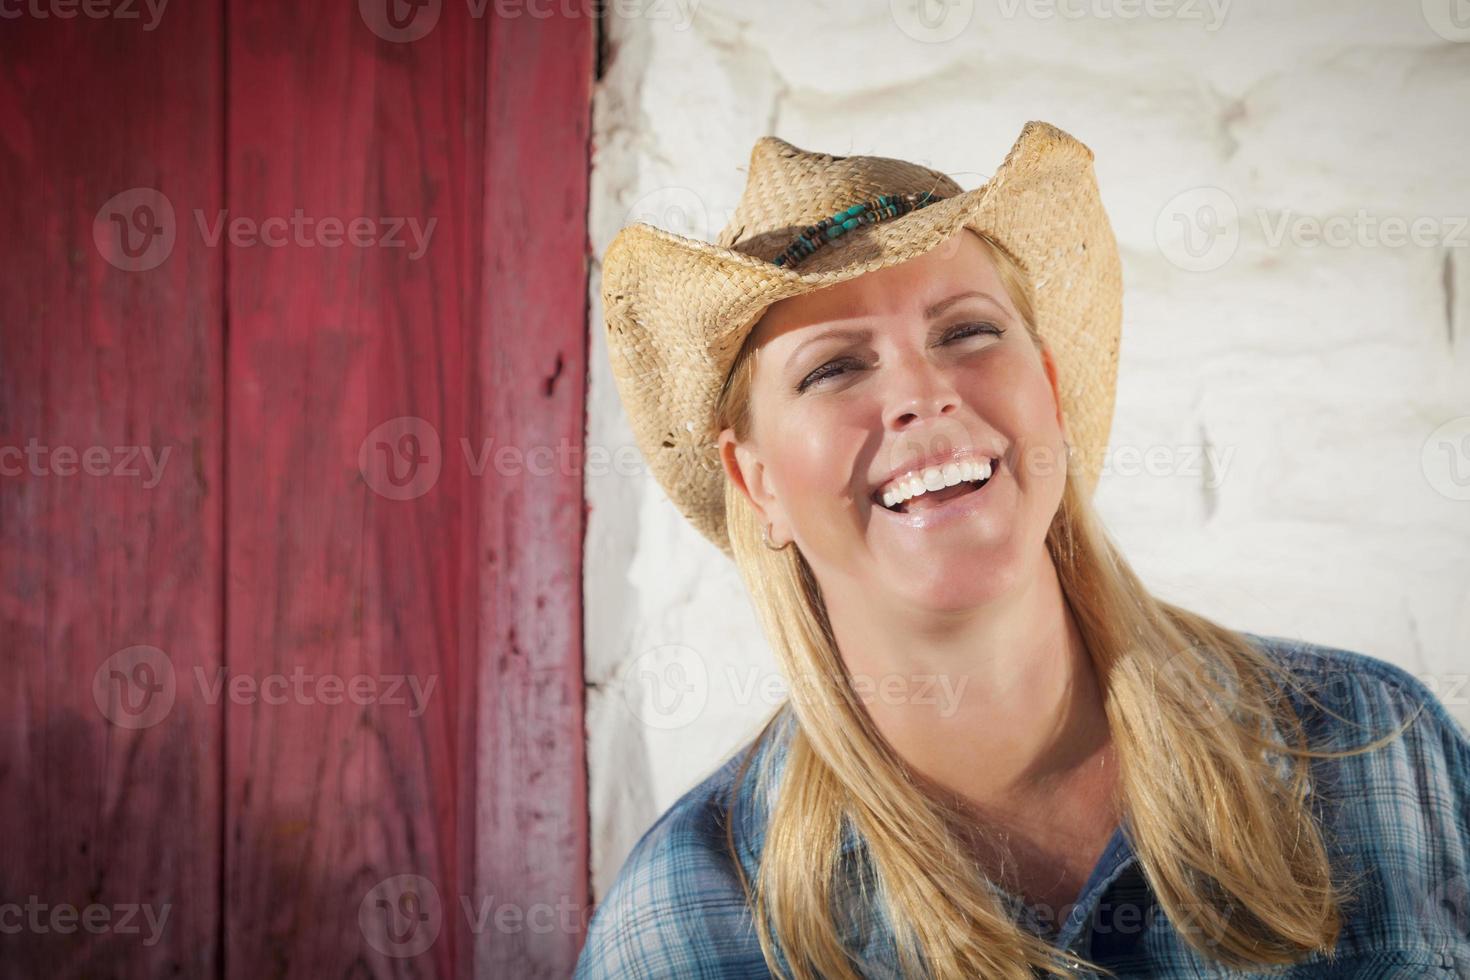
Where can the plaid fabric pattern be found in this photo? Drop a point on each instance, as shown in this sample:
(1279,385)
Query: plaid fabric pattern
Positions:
(1397,819)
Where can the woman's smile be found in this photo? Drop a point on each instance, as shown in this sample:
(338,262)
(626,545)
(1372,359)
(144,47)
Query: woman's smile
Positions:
(916,487)
(941,508)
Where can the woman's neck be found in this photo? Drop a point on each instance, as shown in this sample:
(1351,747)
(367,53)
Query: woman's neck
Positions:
(1002,710)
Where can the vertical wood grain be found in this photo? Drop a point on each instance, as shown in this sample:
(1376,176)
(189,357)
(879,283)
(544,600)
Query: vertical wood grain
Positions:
(329,577)
(480,798)
(110,804)
(533,808)
(370,621)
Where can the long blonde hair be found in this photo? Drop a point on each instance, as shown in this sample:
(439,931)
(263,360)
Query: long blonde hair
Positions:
(1222,829)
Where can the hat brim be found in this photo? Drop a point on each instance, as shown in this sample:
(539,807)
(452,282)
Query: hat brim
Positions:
(678,309)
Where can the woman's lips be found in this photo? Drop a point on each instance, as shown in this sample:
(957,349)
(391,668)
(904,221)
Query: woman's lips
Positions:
(979,474)
(965,464)
(934,498)
(949,509)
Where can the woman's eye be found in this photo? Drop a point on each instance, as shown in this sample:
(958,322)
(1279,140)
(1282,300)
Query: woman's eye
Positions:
(970,329)
(829,370)
(834,368)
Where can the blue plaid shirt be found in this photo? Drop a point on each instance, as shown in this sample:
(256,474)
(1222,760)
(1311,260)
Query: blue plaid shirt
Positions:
(1399,816)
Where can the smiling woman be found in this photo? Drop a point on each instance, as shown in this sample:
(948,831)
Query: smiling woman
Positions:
(895,436)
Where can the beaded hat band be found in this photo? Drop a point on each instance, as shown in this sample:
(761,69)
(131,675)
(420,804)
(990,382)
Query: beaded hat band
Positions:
(679,309)
(831,228)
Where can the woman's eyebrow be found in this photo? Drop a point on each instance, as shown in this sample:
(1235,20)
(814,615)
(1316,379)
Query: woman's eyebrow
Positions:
(937,309)
(848,333)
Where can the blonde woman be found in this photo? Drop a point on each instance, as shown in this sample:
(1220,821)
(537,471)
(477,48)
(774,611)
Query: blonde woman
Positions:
(887,400)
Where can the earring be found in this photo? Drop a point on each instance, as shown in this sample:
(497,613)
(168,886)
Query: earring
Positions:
(766,539)
(1071,451)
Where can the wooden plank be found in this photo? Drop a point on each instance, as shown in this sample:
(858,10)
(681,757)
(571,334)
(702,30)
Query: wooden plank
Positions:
(331,578)
(533,819)
(111,356)
(360,545)
(468,590)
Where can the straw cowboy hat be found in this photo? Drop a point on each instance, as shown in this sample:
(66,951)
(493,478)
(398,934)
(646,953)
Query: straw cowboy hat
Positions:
(678,309)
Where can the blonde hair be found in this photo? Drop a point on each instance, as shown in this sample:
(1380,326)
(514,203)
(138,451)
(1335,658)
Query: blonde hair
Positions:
(1222,830)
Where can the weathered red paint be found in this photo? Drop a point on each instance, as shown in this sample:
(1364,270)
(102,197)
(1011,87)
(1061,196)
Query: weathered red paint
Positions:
(108,361)
(268,558)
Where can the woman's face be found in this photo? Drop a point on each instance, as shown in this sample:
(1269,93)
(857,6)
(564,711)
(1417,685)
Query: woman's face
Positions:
(861,383)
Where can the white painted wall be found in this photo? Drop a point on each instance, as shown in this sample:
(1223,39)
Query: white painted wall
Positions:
(1316,373)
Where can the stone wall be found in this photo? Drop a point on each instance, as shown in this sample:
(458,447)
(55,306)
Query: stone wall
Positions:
(1290,452)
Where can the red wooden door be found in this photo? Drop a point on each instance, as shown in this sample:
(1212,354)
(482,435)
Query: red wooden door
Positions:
(306,693)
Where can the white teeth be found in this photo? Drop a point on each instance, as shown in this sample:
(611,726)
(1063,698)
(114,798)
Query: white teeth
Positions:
(930,478)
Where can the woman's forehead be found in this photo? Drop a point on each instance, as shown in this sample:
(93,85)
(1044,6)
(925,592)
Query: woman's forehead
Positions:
(962,263)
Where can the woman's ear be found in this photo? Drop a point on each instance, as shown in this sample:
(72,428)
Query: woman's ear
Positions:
(728,448)
(1049,365)
(744,469)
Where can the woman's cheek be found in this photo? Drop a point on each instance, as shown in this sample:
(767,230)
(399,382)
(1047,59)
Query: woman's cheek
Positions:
(805,472)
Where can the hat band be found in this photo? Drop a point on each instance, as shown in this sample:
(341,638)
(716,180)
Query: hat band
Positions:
(830,229)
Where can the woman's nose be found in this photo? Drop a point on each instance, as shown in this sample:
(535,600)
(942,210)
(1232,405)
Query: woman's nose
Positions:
(917,390)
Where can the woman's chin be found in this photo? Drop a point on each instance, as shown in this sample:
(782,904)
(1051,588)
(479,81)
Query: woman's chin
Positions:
(953,582)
